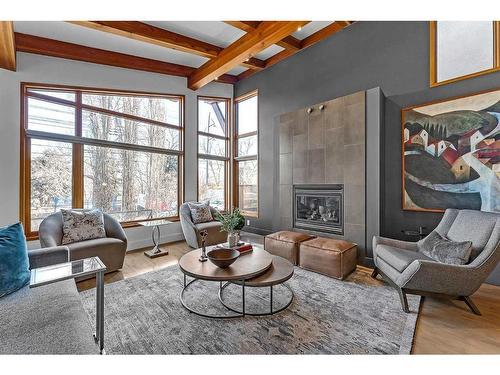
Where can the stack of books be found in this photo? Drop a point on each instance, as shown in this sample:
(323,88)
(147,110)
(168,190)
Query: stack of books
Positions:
(242,247)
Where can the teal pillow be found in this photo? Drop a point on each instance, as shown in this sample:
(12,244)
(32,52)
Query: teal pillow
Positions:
(14,262)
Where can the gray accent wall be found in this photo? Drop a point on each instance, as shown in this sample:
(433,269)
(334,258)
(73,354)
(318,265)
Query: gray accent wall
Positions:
(391,55)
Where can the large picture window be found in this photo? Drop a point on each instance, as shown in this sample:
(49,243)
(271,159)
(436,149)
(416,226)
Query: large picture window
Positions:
(246,165)
(463,49)
(121,152)
(213,151)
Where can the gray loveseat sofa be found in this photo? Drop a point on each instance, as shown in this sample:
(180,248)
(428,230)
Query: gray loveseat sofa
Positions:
(46,320)
(410,271)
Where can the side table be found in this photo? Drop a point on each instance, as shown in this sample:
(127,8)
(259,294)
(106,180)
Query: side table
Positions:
(156,251)
(71,270)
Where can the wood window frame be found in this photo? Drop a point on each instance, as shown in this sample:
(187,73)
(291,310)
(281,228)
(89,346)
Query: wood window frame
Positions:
(227,139)
(237,159)
(78,143)
(433,68)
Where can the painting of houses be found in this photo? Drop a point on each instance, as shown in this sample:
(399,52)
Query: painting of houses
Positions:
(451,154)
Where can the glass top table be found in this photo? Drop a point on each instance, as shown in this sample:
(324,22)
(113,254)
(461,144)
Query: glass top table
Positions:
(63,271)
(71,270)
(156,251)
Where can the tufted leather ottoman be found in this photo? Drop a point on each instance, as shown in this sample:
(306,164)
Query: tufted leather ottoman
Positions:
(285,244)
(331,257)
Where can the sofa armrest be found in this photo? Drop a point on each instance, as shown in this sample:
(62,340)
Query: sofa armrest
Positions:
(114,229)
(377,240)
(443,278)
(48,256)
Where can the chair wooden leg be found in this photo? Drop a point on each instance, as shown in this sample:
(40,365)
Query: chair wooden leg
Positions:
(374,273)
(472,306)
(404,301)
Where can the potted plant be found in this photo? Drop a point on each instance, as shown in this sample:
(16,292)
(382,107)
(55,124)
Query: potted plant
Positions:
(232,223)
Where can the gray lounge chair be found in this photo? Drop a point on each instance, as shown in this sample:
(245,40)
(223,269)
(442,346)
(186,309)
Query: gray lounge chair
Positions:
(110,249)
(411,272)
(192,231)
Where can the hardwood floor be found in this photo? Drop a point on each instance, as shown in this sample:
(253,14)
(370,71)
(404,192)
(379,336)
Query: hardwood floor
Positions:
(443,326)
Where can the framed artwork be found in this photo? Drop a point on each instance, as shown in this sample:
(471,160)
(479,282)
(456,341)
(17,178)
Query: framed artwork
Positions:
(451,154)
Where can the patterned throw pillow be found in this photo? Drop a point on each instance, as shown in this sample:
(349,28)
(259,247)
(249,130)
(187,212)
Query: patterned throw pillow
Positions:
(444,250)
(82,225)
(200,212)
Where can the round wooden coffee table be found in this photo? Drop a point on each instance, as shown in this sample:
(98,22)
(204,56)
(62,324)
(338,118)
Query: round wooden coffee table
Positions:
(257,268)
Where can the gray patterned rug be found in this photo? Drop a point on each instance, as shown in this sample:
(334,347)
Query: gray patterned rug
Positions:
(327,316)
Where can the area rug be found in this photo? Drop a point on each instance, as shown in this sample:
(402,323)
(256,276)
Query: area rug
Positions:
(143,315)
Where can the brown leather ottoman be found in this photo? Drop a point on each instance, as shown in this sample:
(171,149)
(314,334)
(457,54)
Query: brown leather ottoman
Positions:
(331,257)
(285,244)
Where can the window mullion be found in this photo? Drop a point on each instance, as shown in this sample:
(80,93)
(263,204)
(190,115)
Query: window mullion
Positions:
(77,175)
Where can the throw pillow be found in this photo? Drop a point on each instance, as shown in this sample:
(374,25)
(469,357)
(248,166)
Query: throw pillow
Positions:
(14,262)
(82,225)
(200,212)
(444,250)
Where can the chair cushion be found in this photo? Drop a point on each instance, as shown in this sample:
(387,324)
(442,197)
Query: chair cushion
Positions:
(14,263)
(399,259)
(111,251)
(444,250)
(215,235)
(82,225)
(289,236)
(200,212)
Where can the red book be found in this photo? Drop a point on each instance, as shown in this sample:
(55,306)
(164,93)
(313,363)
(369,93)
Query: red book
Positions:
(246,248)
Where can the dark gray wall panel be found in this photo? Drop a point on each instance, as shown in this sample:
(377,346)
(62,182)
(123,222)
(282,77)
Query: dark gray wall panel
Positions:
(391,55)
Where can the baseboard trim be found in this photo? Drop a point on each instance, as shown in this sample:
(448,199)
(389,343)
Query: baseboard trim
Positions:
(142,243)
(255,230)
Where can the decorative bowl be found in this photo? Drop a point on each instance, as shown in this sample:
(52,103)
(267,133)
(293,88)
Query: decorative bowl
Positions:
(223,258)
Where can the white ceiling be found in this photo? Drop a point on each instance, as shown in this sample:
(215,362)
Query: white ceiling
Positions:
(310,29)
(214,32)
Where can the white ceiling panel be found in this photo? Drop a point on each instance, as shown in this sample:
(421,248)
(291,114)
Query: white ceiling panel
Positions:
(268,52)
(237,70)
(214,32)
(311,28)
(70,33)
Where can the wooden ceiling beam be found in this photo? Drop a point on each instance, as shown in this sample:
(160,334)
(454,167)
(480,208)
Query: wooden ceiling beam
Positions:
(265,35)
(160,37)
(306,42)
(50,47)
(7,46)
(324,33)
(288,42)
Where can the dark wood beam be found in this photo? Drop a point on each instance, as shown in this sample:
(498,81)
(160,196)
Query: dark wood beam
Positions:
(7,46)
(265,35)
(160,37)
(288,42)
(50,47)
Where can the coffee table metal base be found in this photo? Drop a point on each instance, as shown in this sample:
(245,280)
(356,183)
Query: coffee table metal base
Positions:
(271,293)
(190,309)
(238,313)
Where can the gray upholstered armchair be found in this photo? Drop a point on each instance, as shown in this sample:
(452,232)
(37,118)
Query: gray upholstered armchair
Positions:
(409,271)
(111,249)
(192,231)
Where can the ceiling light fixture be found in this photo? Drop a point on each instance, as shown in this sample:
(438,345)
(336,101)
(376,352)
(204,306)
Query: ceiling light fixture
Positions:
(299,28)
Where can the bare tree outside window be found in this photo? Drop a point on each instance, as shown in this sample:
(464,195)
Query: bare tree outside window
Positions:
(213,151)
(130,154)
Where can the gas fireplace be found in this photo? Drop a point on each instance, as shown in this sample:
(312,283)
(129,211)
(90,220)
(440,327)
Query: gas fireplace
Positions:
(319,208)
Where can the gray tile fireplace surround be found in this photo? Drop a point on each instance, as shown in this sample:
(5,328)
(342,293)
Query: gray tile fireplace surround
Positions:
(326,144)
